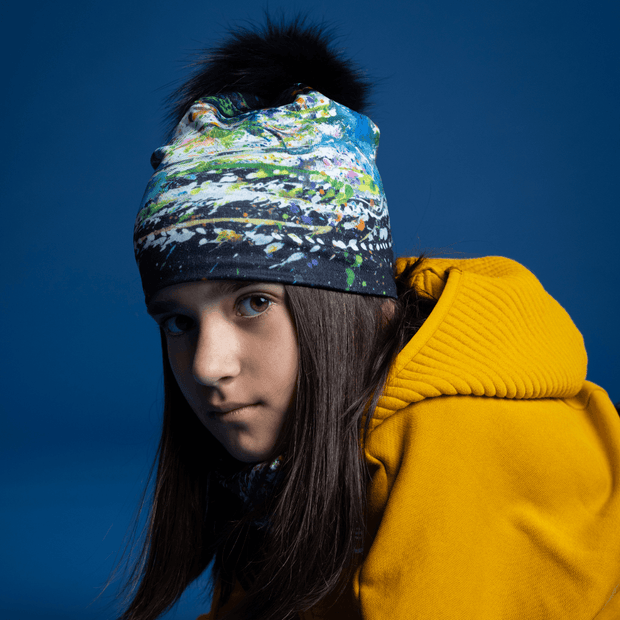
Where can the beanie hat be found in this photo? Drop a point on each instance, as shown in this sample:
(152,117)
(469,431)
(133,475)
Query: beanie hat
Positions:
(249,191)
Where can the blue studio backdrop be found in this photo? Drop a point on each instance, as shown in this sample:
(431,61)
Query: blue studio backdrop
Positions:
(499,135)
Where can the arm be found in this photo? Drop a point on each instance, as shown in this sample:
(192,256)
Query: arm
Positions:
(485,508)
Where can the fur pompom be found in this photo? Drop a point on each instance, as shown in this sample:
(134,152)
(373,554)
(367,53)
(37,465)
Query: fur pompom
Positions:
(269,63)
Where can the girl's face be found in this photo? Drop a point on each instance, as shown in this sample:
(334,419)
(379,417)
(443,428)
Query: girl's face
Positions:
(233,350)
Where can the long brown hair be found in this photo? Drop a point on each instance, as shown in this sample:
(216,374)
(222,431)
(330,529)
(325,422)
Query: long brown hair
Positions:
(347,343)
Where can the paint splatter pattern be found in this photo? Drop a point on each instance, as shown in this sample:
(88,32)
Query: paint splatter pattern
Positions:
(289,194)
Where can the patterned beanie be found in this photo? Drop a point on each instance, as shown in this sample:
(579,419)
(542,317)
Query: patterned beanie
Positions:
(287,194)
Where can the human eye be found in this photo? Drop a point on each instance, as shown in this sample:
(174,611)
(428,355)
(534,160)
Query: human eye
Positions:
(253,305)
(177,324)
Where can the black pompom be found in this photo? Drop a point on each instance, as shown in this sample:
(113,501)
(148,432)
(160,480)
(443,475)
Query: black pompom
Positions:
(269,64)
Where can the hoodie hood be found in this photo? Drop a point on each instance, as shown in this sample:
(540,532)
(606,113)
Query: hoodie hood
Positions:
(495,332)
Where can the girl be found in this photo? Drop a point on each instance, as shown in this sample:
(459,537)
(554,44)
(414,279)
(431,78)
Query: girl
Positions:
(345,437)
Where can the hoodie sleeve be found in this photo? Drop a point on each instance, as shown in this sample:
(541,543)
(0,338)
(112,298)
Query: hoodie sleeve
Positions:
(486,508)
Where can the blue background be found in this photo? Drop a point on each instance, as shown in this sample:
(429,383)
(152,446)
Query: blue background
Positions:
(500,135)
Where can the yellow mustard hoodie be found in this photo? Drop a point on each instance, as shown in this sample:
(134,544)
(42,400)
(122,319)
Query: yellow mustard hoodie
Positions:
(495,488)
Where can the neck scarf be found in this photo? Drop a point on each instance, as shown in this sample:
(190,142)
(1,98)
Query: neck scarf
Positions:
(253,484)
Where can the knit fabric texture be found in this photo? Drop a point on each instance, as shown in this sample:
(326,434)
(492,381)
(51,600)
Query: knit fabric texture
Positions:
(289,194)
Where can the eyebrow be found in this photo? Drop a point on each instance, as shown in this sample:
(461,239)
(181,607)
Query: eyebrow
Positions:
(224,287)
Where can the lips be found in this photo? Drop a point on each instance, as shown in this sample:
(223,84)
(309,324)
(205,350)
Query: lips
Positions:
(230,408)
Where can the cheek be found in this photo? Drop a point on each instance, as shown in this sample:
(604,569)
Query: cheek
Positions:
(285,360)
(292,363)
(275,358)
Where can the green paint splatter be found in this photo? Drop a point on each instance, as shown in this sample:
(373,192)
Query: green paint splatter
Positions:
(154,207)
(368,185)
(292,193)
(350,277)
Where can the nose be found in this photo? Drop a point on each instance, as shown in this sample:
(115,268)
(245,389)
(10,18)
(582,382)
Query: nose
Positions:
(217,351)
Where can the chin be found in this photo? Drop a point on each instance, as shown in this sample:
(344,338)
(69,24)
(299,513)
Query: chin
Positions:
(246,455)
